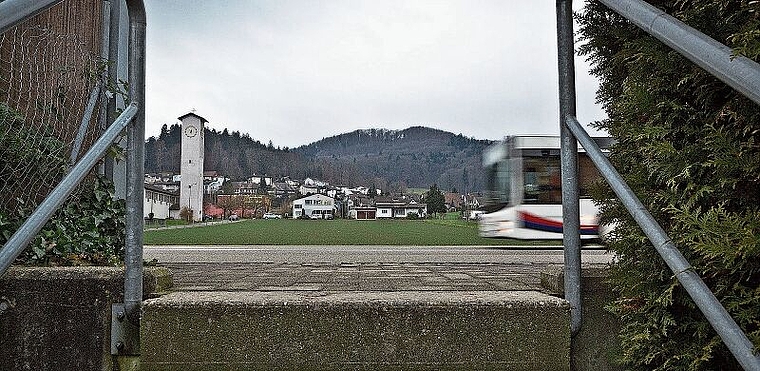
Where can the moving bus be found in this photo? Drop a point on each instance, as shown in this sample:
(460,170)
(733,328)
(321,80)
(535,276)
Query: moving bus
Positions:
(524,196)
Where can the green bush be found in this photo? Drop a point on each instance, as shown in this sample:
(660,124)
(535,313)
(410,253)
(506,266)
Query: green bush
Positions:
(689,147)
(88,229)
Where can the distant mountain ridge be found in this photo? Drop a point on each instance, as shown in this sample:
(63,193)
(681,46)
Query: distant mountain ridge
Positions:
(390,159)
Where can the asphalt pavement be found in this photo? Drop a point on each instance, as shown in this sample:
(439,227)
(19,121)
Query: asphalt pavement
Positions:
(360,268)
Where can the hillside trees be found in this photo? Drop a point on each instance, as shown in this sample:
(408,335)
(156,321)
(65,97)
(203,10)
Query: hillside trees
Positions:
(414,157)
(689,147)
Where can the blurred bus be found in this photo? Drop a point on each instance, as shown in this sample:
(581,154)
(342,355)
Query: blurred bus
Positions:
(524,196)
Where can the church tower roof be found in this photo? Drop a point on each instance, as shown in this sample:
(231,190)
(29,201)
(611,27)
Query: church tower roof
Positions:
(203,120)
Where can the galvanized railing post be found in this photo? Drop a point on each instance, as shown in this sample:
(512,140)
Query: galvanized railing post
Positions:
(125,337)
(569,164)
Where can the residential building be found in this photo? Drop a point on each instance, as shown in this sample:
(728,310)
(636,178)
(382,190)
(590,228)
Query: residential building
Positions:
(363,213)
(399,207)
(453,201)
(283,189)
(157,202)
(258,179)
(316,206)
(212,184)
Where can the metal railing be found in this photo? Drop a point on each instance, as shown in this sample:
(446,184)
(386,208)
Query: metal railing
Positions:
(16,11)
(738,72)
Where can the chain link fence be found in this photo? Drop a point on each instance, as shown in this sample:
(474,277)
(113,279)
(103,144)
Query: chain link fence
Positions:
(52,99)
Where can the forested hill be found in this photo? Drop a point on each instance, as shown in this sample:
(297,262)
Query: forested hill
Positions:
(389,159)
(413,157)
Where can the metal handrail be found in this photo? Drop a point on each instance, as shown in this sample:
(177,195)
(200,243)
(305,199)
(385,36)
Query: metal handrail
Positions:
(21,238)
(16,11)
(738,72)
(716,314)
(569,163)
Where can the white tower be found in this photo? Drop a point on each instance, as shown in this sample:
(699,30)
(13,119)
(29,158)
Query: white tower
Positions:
(191,169)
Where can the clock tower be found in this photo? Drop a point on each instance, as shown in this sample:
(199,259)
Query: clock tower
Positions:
(191,168)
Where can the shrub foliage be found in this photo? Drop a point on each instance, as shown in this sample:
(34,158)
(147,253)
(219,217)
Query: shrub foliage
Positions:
(88,229)
(689,146)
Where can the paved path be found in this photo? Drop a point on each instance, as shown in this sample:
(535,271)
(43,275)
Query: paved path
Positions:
(358,268)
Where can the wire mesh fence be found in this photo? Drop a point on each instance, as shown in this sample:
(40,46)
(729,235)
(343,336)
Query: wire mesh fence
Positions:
(52,92)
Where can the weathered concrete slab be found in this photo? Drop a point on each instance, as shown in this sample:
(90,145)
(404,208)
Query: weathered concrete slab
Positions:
(393,276)
(60,318)
(596,345)
(514,330)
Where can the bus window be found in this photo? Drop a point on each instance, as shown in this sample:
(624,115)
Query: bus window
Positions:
(588,175)
(541,177)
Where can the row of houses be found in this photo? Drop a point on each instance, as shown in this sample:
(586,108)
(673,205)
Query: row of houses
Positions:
(253,197)
(320,206)
(162,204)
(213,183)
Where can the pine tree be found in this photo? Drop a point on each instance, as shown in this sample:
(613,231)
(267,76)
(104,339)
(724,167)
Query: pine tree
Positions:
(435,201)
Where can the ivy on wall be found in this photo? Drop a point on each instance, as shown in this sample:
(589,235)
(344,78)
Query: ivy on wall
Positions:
(89,227)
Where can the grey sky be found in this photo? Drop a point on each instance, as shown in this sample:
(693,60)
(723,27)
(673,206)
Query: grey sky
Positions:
(296,71)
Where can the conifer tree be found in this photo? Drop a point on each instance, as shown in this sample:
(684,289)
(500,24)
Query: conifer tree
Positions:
(435,201)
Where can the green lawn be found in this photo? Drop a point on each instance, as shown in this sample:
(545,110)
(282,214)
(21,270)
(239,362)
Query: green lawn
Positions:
(330,232)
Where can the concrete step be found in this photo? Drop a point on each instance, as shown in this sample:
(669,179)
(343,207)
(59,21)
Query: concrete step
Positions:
(426,330)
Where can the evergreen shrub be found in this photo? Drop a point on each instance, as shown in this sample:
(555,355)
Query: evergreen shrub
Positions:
(689,147)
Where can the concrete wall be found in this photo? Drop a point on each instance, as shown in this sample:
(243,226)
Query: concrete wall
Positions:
(596,345)
(60,318)
(410,330)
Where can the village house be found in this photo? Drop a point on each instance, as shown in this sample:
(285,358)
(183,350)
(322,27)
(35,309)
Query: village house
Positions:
(315,206)
(258,179)
(283,189)
(212,182)
(157,202)
(363,213)
(399,207)
(311,186)
(453,201)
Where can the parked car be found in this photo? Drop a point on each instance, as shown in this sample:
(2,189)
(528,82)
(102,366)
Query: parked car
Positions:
(475,214)
(234,217)
(272,216)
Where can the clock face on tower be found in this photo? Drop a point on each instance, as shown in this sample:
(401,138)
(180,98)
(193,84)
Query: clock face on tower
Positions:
(191,131)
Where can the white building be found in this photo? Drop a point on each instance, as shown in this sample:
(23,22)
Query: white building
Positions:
(157,202)
(395,208)
(316,206)
(257,179)
(191,168)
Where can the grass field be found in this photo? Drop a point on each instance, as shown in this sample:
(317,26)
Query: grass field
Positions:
(331,232)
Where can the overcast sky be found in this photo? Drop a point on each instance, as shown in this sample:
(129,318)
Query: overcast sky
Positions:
(296,71)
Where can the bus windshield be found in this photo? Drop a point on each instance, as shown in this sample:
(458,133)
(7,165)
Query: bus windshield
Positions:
(498,179)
